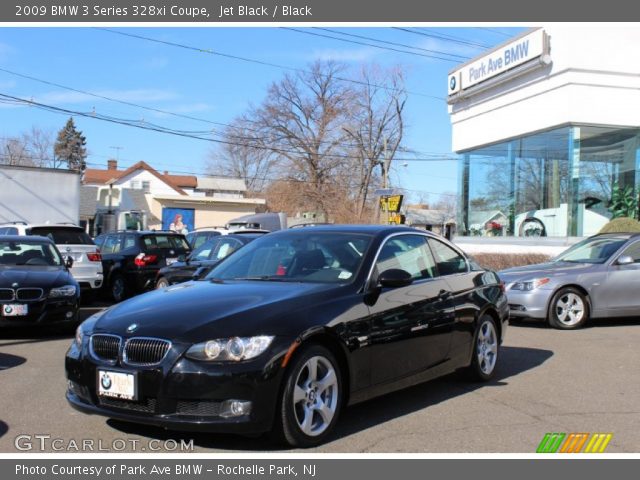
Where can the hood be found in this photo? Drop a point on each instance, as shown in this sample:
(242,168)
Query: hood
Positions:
(542,270)
(40,277)
(194,311)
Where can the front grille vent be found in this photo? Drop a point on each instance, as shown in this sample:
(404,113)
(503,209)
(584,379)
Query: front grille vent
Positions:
(145,351)
(105,347)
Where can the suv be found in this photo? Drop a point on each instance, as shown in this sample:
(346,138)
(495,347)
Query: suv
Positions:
(132,259)
(72,241)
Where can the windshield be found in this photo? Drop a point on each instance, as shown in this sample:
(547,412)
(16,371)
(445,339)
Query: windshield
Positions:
(314,257)
(28,253)
(592,250)
(63,236)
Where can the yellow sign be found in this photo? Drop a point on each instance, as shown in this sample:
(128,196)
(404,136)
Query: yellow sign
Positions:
(396,218)
(391,203)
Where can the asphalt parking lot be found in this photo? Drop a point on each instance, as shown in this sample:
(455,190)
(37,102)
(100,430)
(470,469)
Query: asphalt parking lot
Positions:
(547,381)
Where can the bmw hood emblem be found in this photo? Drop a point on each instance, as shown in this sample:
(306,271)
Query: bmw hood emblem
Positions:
(132,328)
(15,285)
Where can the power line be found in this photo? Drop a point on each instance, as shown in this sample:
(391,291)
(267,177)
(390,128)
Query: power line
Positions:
(444,37)
(369,44)
(259,62)
(157,128)
(394,43)
(493,30)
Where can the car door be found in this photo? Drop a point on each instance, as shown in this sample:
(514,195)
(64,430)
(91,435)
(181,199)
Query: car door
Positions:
(622,284)
(409,325)
(464,287)
(110,252)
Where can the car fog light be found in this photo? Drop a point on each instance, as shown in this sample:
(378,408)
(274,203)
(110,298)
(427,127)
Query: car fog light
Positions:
(234,408)
(69,314)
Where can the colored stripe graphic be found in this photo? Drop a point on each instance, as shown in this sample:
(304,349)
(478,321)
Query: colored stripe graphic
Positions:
(574,442)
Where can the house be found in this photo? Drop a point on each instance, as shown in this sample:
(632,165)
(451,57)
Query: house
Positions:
(436,221)
(192,201)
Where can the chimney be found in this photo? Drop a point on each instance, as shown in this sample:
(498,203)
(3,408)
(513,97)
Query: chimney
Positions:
(112,164)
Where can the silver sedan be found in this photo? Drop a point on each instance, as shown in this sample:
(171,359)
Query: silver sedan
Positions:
(598,277)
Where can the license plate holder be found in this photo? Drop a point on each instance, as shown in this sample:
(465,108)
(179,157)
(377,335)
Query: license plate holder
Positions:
(117,384)
(171,261)
(15,310)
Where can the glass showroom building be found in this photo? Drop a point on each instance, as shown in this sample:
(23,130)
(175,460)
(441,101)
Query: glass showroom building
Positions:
(547,127)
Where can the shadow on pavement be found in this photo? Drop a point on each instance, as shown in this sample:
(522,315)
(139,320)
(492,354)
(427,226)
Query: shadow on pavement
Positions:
(4,428)
(360,417)
(8,361)
(594,323)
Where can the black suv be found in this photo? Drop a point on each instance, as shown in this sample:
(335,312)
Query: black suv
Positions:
(131,260)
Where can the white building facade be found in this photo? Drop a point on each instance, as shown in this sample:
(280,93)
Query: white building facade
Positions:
(547,126)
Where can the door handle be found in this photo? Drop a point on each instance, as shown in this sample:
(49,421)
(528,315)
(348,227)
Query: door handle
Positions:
(444,294)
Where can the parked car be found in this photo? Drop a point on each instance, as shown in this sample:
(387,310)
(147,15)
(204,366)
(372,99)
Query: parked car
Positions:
(598,277)
(289,330)
(131,259)
(72,241)
(553,222)
(36,286)
(199,236)
(201,260)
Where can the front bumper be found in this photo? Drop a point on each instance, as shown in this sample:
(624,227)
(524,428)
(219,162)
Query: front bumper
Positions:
(45,312)
(183,394)
(529,304)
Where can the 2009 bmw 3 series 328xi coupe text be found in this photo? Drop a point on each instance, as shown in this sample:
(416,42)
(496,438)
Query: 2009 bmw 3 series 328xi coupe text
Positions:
(286,332)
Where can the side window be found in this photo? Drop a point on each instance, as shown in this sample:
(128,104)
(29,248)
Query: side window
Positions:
(409,253)
(99,241)
(225,248)
(449,261)
(200,239)
(633,251)
(111,244)
(204,251)
(129,241)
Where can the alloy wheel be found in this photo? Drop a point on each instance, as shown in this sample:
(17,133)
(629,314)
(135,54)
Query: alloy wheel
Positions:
(487,347)
(315,396)
(569,309)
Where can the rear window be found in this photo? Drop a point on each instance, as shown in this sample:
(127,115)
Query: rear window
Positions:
(63,236)
(158,242)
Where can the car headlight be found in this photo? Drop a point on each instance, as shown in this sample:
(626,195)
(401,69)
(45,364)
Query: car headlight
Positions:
(232,349)
(79,336)
(66,291)
(530,284)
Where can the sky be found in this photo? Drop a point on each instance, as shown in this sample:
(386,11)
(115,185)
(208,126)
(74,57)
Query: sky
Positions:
(212,88)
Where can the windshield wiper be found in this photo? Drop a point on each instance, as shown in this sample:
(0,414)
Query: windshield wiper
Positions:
(262,278)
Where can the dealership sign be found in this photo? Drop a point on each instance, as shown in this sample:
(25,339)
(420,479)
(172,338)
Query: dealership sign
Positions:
(500,60)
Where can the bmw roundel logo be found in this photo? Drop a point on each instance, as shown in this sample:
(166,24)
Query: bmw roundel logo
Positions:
(8,309)
(106,381)
(452,83)
(15,285)
(132,328)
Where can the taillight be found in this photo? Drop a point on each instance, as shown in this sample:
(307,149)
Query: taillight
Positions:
(502,287)
(94,256)
(142,260)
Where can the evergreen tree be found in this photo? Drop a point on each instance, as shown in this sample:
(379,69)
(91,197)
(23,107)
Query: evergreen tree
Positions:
(70,147)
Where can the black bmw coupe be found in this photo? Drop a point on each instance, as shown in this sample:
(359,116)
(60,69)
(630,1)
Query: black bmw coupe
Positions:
(285,333)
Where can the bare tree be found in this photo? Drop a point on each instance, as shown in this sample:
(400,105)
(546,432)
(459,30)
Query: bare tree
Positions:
(376,129)
(302,118)
(14,151)
(33,148)
(244,155)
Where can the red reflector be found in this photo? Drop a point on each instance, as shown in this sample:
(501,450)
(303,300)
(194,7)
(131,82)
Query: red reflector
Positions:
(281,271)
(142,260)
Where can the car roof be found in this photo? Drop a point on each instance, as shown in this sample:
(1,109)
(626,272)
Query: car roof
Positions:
(26,238)
(626,235)
(248,236)
(355,228)
(143,232)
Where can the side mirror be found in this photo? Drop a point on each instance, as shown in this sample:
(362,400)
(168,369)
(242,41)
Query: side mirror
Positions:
(395,278)
(199,273)
(69,262)
(625,260)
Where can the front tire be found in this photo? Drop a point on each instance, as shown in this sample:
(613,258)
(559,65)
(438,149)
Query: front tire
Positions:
(312,398)
(162,283)
(486,349)
(568,310)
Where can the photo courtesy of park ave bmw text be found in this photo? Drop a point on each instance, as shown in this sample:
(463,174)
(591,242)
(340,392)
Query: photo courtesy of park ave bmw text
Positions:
(316,239)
